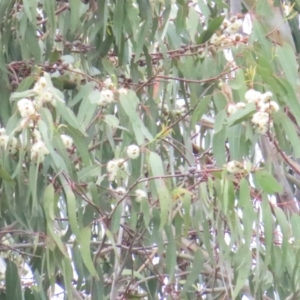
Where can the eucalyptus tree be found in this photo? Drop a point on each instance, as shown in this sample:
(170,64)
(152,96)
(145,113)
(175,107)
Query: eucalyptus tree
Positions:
(149,149)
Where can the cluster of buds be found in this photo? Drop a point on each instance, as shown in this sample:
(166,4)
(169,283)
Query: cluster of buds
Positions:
(262,119)
(113,166)
(180,109)
(164,109)
(10,145)
(26,108)
(43,94)
(106,95)
(75,46)
(234,167)
(227,33)
(58,66)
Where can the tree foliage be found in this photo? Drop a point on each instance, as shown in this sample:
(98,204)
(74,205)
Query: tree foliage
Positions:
(149,150)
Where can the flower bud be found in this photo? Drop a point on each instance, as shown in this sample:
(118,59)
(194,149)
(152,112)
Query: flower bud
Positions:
(67,141)
(106,97)
(234,167)
(133,151)
(26,107)
(140,195)
(38,151)
(253,96)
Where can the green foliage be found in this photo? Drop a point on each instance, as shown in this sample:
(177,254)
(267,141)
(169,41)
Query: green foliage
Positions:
(148,150)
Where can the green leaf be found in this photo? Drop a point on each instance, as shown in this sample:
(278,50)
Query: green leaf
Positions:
(243,270)
(71,205)
(74,8)
(85,242)
(285,230)
(267,218)
(32,42)
(26,83)
(170,252)
(289,97)
(157,169)
(5,176)
(286,56)
(69,115)
(291,132)
(201,108)
(90,171)
(242,114)
(246,205)
(213,25)
(12,282)
(196,266)
(111,120)
(267,182)
(144,30)
(295,222)
(219,140)
(220,121)
(118,21)
(49,213)
(129,103)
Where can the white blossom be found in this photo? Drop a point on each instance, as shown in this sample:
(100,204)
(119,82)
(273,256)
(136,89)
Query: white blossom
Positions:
(267,96)
(233,27)
(108,83)
(234,166)
(47,96)
(3,140)
(37,102)
(240,105)
(38,151)
(26,107)
(122,91)
(214,39)
(260,118)
(133,151)
(237,37)
(12,145)
(253,96)
(272,107)
(122,164)
(217,39)
(180,109)
(112,166)
(106,97)
(261,128)
(40,85)
(231,108)
(36,135)
(67,141)
(140,195)
(120,191)
(2,131)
